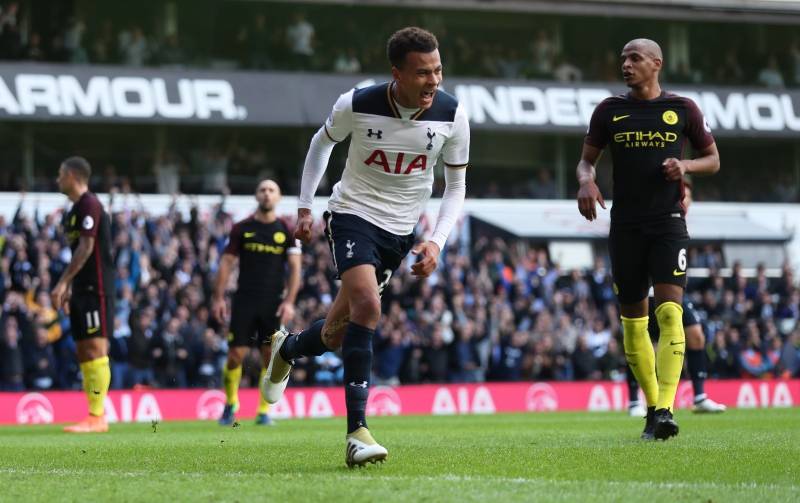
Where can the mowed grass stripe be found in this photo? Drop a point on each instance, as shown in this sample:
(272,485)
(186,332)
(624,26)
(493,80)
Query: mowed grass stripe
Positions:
(751,455)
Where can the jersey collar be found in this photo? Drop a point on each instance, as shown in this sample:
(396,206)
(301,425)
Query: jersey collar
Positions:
(393,105)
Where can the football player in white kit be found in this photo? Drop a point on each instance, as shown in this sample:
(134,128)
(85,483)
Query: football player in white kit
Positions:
(399,131)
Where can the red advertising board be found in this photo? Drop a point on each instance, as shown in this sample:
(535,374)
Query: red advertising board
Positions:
(428,399)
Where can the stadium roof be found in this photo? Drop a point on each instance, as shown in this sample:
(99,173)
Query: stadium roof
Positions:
(747,11)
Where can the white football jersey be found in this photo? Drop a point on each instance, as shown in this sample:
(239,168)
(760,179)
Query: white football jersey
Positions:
(388,176)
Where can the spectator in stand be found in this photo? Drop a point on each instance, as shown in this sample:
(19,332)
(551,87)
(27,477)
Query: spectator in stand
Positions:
(346,61)
(684,74)
(140,359)
(171,53)
(10,38)
(329,369)
(170,356)
(300,41)
(133,46)
(543,55)
(209,355)
(794,61)
(722,363)
(40,362)
(391,352)
(612,364)
(508,356)
(790,357)
(730,72)
(12,366)
(510,64)
(73,41)
(103,45)
(256,44)
(608,67)
(584,364)
(770,75)
(544,187)
(566,71)
(753,359)
(34,50)
(435,357)
(465,360)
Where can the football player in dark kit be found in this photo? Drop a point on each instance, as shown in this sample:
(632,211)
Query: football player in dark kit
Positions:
(86,288)
(646,130)
(695,351)
(265,249)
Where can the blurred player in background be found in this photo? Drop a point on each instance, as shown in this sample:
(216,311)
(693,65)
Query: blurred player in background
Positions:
(86,288)
(265,250)
(646,130)
(695,351)
(399,131)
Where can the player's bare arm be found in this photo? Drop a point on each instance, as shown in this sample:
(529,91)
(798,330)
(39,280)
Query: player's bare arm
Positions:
(219,307)
(589,193)
(286,308)
(705,165)
(60,293)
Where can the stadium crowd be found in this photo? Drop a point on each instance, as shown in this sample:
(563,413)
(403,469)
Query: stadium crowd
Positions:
(277,37)
(495,310)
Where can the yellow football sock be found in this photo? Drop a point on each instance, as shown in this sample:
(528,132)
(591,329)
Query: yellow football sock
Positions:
(671,346)
(640,356)
(96,379)
(230,380)
(263,405)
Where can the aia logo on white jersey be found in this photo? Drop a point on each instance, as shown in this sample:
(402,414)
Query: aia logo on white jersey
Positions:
(379,158)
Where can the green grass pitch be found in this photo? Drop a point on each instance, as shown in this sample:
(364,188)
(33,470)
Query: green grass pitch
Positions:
(742,455)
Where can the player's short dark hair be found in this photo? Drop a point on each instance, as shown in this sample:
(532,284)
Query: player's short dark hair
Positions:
(410,39)
(78,166)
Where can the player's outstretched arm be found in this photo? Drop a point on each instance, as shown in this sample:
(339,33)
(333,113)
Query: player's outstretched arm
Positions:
(589,193)
(706,164)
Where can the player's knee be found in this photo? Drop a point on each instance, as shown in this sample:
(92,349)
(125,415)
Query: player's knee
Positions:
(365,306)
(669,313)
(235,358)
(695,339)
(91,349)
